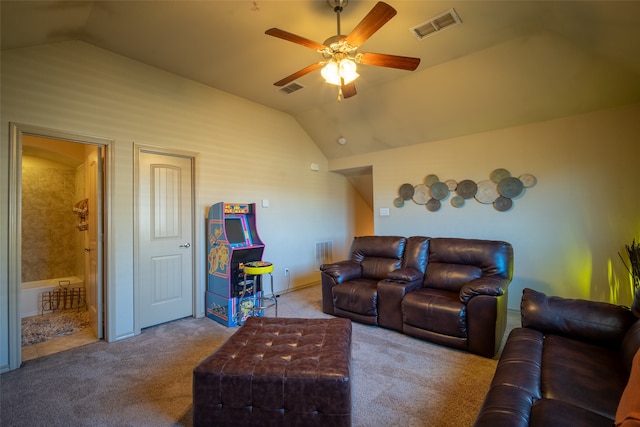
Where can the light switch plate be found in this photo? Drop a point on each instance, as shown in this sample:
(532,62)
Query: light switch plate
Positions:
(384,211)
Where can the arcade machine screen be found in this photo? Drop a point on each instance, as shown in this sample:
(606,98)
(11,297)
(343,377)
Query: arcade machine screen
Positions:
(235,231)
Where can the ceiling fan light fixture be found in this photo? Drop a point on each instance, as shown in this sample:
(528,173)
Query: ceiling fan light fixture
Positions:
(339,73)
(339,52)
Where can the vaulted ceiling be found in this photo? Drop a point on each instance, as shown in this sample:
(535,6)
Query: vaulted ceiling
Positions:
(508,63)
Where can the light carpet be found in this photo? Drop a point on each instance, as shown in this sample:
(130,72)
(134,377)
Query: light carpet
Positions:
(146,380)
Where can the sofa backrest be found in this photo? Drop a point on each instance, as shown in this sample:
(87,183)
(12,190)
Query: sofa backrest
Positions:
(378,255)
(453,262)
(416,253)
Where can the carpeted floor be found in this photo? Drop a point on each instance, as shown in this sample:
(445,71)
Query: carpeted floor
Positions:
(146,380)
(42,328)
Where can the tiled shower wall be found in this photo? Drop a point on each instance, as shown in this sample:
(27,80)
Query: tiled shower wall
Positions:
(49,233)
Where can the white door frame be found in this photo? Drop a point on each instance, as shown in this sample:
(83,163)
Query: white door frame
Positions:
(138,148)
(16,131)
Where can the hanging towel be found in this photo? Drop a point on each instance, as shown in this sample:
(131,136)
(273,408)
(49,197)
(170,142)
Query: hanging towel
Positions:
(82,208)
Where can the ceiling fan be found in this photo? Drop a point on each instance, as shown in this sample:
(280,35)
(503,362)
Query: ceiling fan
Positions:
(340,51)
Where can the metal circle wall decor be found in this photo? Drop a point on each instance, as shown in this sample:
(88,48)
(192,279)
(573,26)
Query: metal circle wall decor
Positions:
(457,201)
(528,180)
(499,191)
(467,188)
(421,194)
(502,204)
(510,187)
(499,174)
(431,179)
(406,191)
(433,205)
(439,190)
(487,192)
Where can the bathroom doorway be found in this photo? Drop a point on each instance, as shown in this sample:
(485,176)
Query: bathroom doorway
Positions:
(60,184)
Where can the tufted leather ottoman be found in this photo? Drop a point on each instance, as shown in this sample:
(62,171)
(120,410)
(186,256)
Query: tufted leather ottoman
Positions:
(277,372)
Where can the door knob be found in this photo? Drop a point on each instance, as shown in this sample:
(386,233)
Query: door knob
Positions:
(87,249)
(186,245)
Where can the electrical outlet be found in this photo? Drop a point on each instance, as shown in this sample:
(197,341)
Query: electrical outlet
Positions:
(286,271)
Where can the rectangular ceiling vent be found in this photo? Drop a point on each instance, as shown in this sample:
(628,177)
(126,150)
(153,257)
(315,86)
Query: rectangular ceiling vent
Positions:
(436,24)
(290,88)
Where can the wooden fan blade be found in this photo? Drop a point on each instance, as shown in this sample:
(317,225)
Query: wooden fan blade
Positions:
(348,90)
(285,35)
(298,74)
(391,61)
(375,19)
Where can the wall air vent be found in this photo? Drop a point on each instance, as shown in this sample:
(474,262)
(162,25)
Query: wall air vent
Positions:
(436,24)
(323,253)
(290,88)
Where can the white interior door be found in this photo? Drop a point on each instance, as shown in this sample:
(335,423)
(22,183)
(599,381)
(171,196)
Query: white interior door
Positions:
(165,233)
(93,248)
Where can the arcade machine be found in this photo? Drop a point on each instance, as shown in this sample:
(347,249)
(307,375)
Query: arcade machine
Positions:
(232,242)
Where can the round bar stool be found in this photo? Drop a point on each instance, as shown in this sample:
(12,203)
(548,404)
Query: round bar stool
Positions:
(260,302)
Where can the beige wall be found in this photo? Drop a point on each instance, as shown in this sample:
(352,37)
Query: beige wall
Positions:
(566,230)
(245,153)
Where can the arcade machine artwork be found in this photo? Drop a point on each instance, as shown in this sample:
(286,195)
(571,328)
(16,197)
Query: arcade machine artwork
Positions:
(232,241)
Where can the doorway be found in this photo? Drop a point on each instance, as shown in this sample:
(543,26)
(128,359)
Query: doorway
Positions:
(361,178)
(165,204)
(57,267)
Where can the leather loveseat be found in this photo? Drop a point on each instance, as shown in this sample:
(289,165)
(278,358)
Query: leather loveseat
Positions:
(445,290)
(570,364)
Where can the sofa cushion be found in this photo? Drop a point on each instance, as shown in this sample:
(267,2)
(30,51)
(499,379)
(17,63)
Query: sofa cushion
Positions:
(520,363)
(494,258)
(628,412)
(416,253)
(377,246)
(585,375)
(556,413)
(357,296)
(591,321)
(450,277)
(435,310)
(379,268)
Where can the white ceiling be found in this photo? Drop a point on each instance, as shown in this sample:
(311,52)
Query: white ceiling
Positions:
(509,63)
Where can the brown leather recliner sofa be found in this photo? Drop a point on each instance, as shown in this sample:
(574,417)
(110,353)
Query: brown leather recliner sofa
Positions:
(445,290)
(570,364)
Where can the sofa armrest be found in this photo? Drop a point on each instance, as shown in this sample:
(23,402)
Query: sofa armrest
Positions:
(390,295)
(591,321)
(406,274)
(342,271)
(490,286)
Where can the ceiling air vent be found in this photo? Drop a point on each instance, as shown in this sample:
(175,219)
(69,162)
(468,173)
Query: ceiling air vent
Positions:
(436,24)
(290,88)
